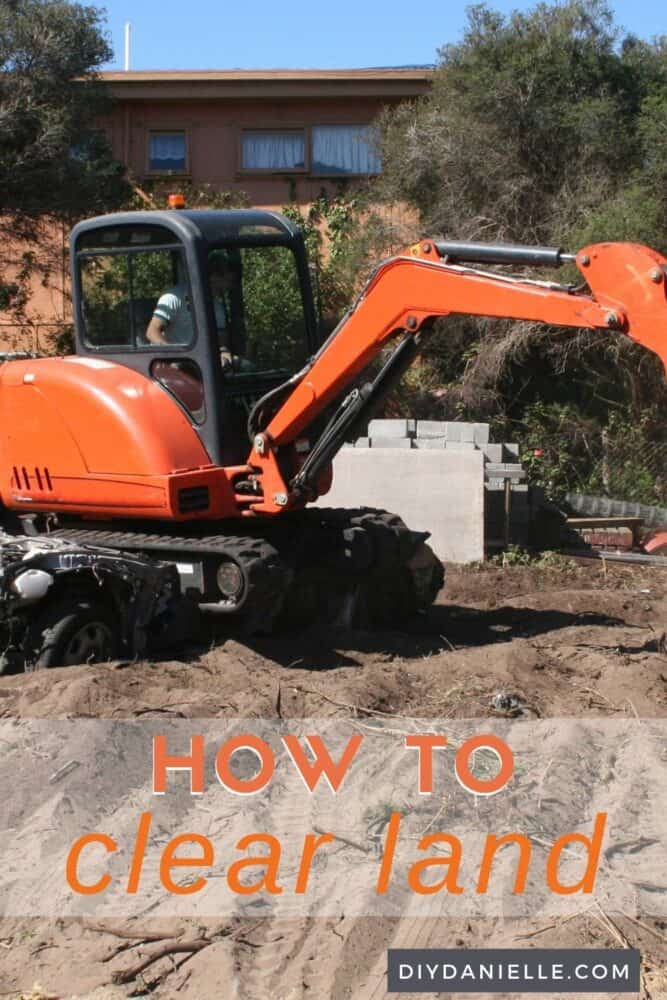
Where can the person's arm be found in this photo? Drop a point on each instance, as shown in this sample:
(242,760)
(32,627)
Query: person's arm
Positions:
(165,310)
(224,335)
(155,331)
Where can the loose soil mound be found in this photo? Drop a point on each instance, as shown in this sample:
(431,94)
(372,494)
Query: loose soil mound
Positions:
(558,640)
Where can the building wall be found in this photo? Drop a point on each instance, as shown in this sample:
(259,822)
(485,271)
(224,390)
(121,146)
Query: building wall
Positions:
(213,136)
(48,310)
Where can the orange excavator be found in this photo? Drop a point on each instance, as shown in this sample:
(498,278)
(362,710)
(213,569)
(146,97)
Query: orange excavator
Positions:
(198,418)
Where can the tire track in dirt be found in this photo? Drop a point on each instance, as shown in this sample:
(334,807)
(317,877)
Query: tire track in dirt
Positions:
(278,944)
(301,953)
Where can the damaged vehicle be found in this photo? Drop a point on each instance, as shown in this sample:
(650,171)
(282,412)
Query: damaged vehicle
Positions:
(62,603)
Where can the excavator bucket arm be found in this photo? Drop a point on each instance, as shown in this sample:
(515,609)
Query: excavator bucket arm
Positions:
(624,292)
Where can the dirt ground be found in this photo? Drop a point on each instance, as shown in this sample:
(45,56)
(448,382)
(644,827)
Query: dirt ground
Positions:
(568,639)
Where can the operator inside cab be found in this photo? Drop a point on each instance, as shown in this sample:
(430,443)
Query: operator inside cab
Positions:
(225,284)
(172,322)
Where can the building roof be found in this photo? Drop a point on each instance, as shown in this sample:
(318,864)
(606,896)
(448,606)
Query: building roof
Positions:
(197,84)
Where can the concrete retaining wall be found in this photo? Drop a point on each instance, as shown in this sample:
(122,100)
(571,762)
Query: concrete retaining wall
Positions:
(436,490)
(441,476)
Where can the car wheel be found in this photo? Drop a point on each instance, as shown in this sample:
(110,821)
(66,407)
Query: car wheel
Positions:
(69,632)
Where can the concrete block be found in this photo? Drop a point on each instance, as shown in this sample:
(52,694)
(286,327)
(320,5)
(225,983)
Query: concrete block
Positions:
(439,442)
(511,451)
(391,428)
(431,428)
(441,492)
(519,488)
(389,442)
(505,470)
(364,442)
(493,452)
(452,429)
(461,445)
(504,467)
(480,434)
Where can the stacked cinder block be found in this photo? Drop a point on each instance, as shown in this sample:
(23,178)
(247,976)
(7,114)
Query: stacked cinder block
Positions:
(507,497)
(583,505)
(450,434)
(504,476)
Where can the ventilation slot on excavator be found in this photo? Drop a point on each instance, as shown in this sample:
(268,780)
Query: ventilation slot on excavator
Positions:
(34,480)
(192,499)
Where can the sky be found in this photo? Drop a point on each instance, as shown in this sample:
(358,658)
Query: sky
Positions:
(295,34)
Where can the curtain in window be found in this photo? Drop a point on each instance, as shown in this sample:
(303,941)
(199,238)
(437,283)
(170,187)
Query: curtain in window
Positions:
(167,151)
(273,150)
(344,149)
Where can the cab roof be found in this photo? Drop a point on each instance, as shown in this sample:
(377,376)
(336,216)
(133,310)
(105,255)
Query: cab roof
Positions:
(231,226)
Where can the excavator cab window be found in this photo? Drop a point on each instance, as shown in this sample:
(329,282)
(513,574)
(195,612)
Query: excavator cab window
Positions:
(261,329)
(183,380)
(226,292)
(275,333)
(122,285)
(258,308)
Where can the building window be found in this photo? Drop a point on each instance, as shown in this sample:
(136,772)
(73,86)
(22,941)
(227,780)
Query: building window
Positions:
(167,151)
(323,150)
(264,150)
(344,149)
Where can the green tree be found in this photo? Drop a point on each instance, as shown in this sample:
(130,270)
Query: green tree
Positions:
(53,164)
(532,118)
(543,127)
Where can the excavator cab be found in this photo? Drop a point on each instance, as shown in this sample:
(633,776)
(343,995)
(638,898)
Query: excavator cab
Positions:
(214,306)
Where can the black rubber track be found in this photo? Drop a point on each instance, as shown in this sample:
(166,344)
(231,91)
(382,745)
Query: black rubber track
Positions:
(267,576)
(356,567)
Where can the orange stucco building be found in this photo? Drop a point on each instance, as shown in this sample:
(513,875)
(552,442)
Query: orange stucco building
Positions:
(276,135)
(273,135)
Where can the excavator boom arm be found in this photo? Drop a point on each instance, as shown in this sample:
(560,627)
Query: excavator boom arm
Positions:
(626,292)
